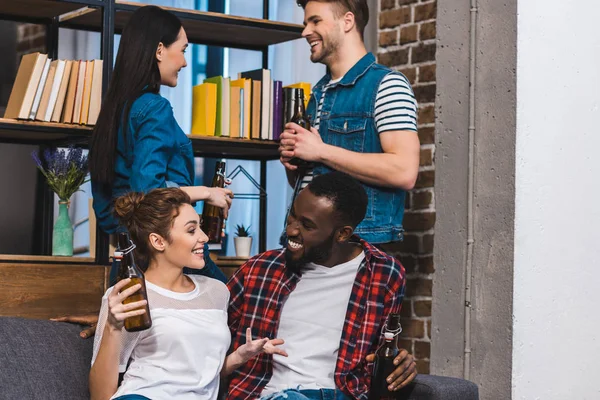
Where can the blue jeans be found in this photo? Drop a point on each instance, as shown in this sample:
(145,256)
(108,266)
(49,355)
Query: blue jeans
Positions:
(132,397)
(308,394)
(210,269)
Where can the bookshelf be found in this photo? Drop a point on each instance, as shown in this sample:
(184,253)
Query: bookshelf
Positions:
(109,17)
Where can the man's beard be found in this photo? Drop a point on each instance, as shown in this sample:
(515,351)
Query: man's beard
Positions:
(317,254)
(327,52)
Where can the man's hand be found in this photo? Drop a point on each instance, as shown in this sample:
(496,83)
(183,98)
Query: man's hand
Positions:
(405,372)
(296,141)
(90,320)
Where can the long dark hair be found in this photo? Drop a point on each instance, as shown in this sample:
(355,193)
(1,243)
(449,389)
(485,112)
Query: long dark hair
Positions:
(136,71)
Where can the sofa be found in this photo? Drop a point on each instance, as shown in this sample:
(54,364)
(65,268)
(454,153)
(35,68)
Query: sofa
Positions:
(45,360)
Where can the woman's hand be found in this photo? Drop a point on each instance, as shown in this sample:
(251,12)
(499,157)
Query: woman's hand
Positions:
(254,347)
(221,198)
(119,312)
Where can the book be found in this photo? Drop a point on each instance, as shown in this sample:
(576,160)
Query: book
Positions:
(40,89)
(96,93)
(223,104)
(264,77)
(204,109)
(277,109)
(67,115)
(57,79)
(87,90)
(41,111)
(79,93)
(235,112)
(25,86)
(62,92)
(246,101)
(255,109)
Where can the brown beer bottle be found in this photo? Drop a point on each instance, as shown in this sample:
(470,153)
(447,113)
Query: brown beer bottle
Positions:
(129,269)
(301,119)
(384,360)
(212,216)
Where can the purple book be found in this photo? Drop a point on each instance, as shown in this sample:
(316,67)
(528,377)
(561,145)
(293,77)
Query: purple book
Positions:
(277,109)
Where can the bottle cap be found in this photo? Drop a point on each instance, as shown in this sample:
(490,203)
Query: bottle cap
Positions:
(388,336)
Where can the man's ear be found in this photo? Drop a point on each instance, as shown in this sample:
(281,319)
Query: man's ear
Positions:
(160,52)
(344,233)
(349,22)
(157,242)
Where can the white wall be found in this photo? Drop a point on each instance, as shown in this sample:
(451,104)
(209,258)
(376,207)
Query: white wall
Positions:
(557,249)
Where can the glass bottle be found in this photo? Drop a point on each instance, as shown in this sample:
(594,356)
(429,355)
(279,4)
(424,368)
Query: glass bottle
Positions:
(301,119)
(212,216)
(129,269)
(384,360)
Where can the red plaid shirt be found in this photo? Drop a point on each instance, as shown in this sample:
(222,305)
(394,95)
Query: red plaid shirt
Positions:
(261,286)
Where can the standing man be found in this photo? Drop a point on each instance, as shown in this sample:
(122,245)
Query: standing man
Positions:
(363,117)
(327,294)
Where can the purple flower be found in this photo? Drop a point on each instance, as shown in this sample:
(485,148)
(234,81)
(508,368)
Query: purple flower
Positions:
(36,158)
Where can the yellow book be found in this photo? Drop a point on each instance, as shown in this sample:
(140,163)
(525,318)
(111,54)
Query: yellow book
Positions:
(235,112)
(306,87)
(246,102)
(204,109)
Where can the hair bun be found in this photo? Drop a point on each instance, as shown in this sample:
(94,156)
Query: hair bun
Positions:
(126,206)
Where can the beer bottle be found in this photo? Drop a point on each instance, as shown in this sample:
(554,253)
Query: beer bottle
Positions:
(301,119)
(212,216)
(384,360)
(129,269)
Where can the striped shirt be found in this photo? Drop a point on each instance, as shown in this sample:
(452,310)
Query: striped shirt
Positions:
(395,108)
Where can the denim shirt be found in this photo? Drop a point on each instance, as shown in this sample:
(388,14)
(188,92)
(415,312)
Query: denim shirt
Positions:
(157,154)
(348,121)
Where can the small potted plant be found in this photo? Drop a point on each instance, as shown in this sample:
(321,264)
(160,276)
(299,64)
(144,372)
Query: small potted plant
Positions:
(65,172)
(242,241)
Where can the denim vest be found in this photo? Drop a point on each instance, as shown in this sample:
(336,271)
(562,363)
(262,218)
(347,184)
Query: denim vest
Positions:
(348,121)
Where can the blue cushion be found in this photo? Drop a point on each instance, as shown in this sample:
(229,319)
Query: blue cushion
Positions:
(43,360)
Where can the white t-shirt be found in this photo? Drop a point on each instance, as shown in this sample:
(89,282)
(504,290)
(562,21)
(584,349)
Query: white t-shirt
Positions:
(181,355)
(311,324)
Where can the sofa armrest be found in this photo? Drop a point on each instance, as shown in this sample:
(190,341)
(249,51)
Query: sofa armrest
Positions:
(432,387)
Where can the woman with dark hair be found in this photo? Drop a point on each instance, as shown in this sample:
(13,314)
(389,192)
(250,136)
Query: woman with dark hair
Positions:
(183,354)
(137,144)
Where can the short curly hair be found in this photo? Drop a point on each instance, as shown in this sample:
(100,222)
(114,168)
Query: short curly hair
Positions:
(348,196)
(359,8)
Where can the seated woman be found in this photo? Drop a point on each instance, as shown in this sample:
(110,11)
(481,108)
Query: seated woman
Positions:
(183,354)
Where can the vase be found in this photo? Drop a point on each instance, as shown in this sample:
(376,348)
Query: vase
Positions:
(242,246)
(62,234)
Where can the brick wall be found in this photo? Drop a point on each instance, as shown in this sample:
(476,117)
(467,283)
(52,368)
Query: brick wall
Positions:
(407,32)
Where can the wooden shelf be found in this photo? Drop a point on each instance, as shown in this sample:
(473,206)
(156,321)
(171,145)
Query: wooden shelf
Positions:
(224,147)
(33,132)
(46,259)
(41,10)
(208,28)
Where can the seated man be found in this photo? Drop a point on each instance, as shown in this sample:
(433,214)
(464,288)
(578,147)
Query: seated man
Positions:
(327,294)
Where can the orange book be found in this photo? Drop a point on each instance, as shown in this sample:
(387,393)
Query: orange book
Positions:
(67,115)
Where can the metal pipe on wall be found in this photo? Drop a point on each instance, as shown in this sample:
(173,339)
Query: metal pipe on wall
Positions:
(470,191)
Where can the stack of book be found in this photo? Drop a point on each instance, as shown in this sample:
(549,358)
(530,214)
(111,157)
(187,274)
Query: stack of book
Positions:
(249,107)
(66,91)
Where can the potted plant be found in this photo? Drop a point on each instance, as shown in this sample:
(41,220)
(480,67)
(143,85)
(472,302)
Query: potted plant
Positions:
(65,172)
(242,241)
